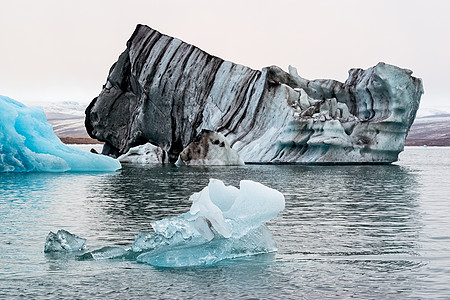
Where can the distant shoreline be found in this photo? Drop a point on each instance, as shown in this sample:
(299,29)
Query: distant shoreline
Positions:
(445,142)
(78,140)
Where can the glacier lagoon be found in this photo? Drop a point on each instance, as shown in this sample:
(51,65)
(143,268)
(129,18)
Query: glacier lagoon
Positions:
(347,231)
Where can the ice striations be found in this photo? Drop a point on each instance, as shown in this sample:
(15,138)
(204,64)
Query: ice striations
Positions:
(164,91)
(28,144)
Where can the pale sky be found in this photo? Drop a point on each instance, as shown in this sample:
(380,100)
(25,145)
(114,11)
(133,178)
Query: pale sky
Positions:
(56,50)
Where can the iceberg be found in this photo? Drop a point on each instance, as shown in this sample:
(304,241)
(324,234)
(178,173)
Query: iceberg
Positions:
(209,148)
(223,223)
(63,241)
(167,91)
(28,144)
(145,154)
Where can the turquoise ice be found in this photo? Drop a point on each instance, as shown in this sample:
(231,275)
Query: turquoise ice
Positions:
(223,223)
(28,144)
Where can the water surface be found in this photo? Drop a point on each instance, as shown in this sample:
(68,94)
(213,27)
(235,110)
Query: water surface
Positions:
(347,231)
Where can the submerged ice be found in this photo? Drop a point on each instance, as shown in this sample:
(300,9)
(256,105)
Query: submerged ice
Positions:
(224,222)
(28,144)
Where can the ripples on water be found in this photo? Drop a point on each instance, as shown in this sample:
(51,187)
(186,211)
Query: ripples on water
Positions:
(347,231)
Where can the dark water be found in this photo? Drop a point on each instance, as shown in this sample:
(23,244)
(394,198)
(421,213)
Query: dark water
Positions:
(370,232)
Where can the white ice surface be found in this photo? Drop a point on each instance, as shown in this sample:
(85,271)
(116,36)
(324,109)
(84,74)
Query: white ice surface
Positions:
(224,222)
(144,154)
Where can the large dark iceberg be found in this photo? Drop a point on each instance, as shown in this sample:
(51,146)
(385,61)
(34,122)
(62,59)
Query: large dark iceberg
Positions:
(165,92)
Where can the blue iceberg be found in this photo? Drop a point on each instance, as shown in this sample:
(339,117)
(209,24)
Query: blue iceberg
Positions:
(28,144)
(223,223)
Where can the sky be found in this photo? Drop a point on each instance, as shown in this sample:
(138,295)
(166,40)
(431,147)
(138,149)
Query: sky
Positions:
(62,50)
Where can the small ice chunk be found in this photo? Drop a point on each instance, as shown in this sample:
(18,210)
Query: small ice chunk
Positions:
(64,241)
(145,154)
(209,148)
(224,222)
(107,252)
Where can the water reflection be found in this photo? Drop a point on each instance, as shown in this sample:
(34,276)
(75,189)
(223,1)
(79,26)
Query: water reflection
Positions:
(346,231)
(330,210)
(32,204)
(352,210)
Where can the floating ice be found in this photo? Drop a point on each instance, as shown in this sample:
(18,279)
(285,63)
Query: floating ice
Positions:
(268,115)
(28,143)
(194,251)
(145,154)
(63,241)
(223,223)
(209,148)
(107,252)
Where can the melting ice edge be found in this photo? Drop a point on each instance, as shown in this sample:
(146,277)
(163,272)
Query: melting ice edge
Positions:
(224,222)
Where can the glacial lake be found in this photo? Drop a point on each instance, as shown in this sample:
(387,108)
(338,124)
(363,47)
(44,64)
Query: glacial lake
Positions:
(364,232)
